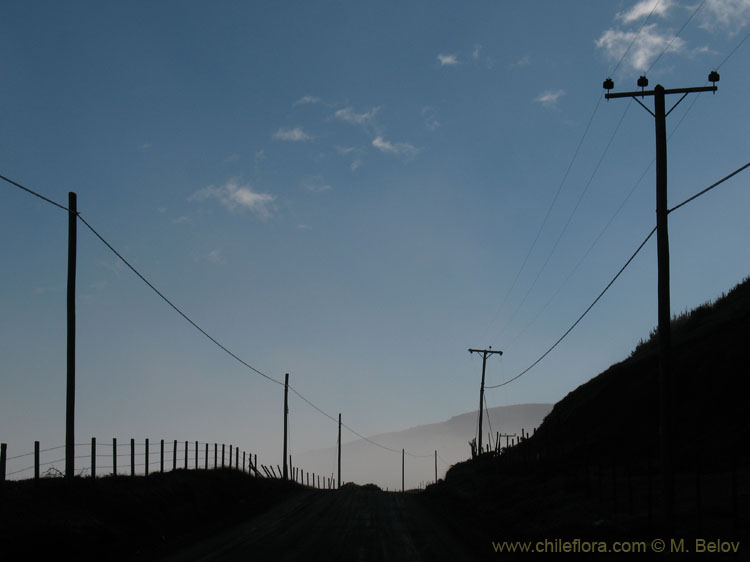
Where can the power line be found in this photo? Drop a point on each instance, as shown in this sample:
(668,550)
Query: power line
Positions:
(170,303)
(684,25)
(570,218)
(34,193)
(546,217)
(535,363)
(637,35)
(686,201)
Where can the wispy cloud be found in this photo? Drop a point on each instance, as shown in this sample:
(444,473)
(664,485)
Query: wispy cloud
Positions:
(549,98)
(182,220)
(348,115)
(475,53)
(214,256)
(237,198)
(397,148)
(144,146)
(644,8)
(430,121)
(297,134)
(316,184)
(650,44)
(305,100)
(351,151)
(448,60)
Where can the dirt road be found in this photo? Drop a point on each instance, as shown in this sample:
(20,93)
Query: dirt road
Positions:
(352,525)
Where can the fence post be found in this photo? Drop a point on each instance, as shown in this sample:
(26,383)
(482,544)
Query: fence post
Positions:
(243,461)
(174,455)
(216,454)
(186,454)
(146,457)
(222,455)
(132,457)
(161,456)
(206,459)
(36,460)
(114,456)
(236,458)
(3,457)
(196,455)
(93,457)
(230,456)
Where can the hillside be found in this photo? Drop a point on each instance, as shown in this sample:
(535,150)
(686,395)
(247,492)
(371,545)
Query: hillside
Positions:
(591,468)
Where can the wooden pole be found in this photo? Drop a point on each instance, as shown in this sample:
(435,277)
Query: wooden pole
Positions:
(222,455)
(436,464)
(196,455)
(402,469)
(114,456)
(70,390)
(216,454)
(36,460)
(93,457)
(186,455)
(230,456)
(161,456)
(3,460)
(236,458)
(243,461)
(339,450)
(206,459)
(146,458)
(174,455)
(132,457)
(286,414)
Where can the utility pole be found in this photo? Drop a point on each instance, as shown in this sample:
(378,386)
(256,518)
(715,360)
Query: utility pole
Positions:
(286,415)
(339,486)
(485,353)
(70,390)
(662,255)
(435,466)
(402,469)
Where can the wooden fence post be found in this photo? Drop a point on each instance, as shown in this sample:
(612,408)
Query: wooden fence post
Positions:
(206,459)
(186,454)
(132,457)
(196,455)
(3,460)
(93,457)
(161,456)
(236,458)
(146,458)
(222,455)
(36,460)
(174,455)
(243,461)
(216,454)
(230,456)
(114,456)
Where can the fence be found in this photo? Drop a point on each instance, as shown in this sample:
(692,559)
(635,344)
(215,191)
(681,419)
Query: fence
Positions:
(146,457)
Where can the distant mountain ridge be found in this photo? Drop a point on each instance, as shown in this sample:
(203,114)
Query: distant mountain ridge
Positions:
(363,462)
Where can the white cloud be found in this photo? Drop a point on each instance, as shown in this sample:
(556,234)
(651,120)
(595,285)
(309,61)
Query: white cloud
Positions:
(649,45)
(523,61)
(182,220)
(447,60)
(305,100)
(475,53)
(237,197)
(351,151)
(550,97)
(398,148)
(348,115)
(643,8)
(144,146)
(292,135)
(729,14)
(357,163)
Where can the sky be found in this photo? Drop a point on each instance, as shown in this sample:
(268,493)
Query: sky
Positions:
(353,193)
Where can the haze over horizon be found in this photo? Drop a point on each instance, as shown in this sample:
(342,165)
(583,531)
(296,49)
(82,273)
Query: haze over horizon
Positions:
(349,193)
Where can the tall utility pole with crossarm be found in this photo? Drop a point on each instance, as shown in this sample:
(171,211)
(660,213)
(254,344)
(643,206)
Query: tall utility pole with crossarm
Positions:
(662,251)
(485,353)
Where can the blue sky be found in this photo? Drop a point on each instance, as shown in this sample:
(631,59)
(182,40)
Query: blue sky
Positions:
(346,191)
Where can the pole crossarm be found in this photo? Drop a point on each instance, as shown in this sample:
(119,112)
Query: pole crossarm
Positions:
(486,351)
(643,93)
